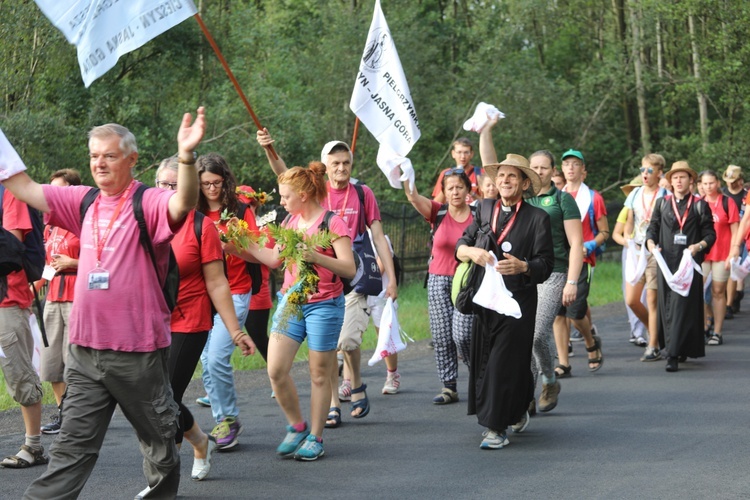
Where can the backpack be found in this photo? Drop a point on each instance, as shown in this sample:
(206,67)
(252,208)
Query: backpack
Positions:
(34,255)
(594,229)
(371,282)
(253,268)
(171,285)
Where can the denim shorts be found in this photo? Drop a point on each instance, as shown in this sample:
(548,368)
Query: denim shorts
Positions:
(321,324)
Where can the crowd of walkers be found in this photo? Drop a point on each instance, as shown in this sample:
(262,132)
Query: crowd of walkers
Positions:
(532,229)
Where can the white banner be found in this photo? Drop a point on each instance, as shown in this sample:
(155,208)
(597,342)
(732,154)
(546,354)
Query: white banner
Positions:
(381,97)
(10,162)
(103,30)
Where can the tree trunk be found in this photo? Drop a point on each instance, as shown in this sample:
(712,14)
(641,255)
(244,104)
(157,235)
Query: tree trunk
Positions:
(635,30)
(702,104)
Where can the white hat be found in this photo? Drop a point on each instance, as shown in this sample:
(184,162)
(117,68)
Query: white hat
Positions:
(329,146)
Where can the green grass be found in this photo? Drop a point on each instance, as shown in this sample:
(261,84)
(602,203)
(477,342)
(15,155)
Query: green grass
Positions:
(412,315)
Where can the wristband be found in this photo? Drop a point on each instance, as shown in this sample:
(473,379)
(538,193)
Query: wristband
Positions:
(571,282)
(188,162)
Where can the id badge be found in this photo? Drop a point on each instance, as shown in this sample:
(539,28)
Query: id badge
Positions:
(48,273)
(98,279)
(680,239)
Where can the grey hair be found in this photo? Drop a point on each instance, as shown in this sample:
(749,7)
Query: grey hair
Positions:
(127,139)
(171,163)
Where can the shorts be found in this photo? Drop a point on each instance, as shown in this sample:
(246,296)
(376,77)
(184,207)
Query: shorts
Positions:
(320,324)
(718,273)
(376,303)
(577,310)
(54,357)
(649,277)
(21,378)
(356,319)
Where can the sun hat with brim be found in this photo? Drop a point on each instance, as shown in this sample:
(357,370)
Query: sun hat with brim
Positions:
(733,173)
(573,152)
(522,164)
(681,166)
(636,182)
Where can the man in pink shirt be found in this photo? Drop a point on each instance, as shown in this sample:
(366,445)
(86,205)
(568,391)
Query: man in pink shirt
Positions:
(119,326)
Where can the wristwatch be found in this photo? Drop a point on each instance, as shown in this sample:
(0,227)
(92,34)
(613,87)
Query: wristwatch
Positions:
(571,282)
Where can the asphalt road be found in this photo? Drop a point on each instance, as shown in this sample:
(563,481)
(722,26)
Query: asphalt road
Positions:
(630,430)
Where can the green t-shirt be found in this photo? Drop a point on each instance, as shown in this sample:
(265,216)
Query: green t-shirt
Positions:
(560,207)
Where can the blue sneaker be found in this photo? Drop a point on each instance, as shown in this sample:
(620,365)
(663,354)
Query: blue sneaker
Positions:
(311,449)
(292,441)
(494,440)
(227,433)
(204,401)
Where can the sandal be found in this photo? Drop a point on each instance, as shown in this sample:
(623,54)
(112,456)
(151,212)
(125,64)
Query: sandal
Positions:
(25,458)
(564,371)
(334,418)
(363,404)
(715,339)
(597,347)
(446,396)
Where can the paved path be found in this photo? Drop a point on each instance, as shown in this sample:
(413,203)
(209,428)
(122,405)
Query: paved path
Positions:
(630,430)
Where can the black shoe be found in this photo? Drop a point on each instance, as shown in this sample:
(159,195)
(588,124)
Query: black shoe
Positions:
(729,314)
(671,364)
(53,427)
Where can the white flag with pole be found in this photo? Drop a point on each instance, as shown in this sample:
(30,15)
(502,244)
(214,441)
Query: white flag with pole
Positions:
(103,30)
(382,101)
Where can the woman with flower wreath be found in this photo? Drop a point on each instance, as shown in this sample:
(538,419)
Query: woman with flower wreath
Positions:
(312,303)
(218,201)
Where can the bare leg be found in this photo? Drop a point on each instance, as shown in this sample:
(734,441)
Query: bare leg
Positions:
(32,418)
(719,301)
(58,388)
(198,439)
(322,364)
(584,326)
(281,354)
(633,300)
(653,318)
(391,362)
(353,359)
(561,329)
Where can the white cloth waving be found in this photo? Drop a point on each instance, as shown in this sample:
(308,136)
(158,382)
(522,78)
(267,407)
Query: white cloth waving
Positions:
(481,116)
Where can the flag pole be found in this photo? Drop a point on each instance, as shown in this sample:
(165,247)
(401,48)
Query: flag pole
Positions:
(233,79)
(354,135)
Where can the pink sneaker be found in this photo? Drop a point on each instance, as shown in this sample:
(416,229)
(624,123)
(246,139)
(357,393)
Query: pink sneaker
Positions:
(392,382)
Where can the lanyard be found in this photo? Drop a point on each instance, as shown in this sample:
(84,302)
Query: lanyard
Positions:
(647,211)
(681,222)
(510,223)
(100,242)
(346,199)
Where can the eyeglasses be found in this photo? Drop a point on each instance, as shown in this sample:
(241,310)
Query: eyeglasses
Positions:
(109,157)
(214,184)
(648,170)
(166,185)
(454,171)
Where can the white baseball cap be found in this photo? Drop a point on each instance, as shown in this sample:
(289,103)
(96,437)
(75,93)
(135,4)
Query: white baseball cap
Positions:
(329,146)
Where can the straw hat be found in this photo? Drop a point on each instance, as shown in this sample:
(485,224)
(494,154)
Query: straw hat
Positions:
(521,164)
(636,182)
(732,174)
(681,166)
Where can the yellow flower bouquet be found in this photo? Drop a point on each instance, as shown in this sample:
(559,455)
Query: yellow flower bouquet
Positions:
(236,231)
(255,197)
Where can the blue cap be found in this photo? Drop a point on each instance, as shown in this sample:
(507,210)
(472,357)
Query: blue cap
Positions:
(573,152)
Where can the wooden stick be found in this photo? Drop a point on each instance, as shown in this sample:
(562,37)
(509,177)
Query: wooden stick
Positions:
(233,79)
(354,135)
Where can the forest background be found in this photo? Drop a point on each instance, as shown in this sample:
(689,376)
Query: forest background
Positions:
(613,78)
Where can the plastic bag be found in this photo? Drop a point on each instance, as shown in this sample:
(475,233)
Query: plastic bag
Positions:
(493,294)
(389,334)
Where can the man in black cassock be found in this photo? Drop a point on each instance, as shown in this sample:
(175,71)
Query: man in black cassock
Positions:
(681,221)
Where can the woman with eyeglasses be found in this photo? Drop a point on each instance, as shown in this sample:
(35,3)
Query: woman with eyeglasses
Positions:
(451,330)
(217,196)
(202,282)
(726,221)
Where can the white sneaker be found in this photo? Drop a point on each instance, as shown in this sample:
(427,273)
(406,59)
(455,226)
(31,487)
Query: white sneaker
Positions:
(143,493)
(521,425)
(202,466)
(494,440)
(345,390)
(392,382)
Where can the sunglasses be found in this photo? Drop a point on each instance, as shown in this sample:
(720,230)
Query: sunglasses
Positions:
(648,170)
(454,171)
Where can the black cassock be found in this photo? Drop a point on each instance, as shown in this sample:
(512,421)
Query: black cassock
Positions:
(681,318)
(501,384)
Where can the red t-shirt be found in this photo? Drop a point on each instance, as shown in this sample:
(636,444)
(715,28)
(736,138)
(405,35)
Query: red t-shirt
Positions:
(16,217)
(443,261)
(329,286)
(58,241)
(600,210)
(240,282)
(262,299)
(720,249)
(193,311)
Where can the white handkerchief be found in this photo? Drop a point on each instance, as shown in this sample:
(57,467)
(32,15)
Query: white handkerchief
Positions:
(10,162)
(682,279)
(481,116)
(739,270)
(493,294)
(389,162)
(636,262)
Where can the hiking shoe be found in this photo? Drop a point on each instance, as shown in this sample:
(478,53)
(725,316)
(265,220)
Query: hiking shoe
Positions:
(392,382)
(548,398)
(532,408)
(292,441)
(494,440)
(521,425)
(640,342)
(53,427)
(227,432)
(651,354)
(345,390)
(204,401)
(311,449)
(575,336)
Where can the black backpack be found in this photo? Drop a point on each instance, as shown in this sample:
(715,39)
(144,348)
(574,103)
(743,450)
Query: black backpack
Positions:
(34,254)
(253,268)
(172,280)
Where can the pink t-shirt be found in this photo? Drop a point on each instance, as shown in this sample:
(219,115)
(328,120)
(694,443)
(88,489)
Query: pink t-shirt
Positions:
(345,203)
(443,261)
(131,316)
(722,222)
(329,286)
